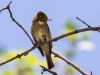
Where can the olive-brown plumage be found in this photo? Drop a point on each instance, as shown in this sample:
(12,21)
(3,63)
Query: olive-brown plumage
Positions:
(41,33)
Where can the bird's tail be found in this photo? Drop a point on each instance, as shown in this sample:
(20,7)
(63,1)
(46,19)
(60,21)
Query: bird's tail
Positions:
(49,61)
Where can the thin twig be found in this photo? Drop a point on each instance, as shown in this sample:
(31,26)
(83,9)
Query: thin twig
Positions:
(45,69)
(6,6)
(85,23)
(11,15)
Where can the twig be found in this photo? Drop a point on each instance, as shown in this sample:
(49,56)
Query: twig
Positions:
(70,63)
(6,7)
(85,23)
(11,15)
(45,69)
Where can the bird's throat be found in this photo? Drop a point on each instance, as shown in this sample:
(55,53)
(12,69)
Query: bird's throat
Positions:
(40,22)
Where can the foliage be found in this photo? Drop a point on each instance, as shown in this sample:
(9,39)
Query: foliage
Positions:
(73,39)
(27,65)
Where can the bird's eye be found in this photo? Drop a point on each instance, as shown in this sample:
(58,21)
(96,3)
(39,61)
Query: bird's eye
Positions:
(41,17)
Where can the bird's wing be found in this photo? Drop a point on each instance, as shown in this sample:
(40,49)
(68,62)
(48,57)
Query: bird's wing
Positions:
(36,43)
(49,36)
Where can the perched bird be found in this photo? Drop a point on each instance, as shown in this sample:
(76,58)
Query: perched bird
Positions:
(41,33)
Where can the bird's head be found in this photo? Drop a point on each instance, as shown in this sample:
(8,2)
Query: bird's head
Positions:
(41,17)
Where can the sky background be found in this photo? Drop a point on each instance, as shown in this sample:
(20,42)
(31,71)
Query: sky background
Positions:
(60,11)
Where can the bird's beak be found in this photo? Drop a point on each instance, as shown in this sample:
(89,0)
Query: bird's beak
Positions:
(49,19)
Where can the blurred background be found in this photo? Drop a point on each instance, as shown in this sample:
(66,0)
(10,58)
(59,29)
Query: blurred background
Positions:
(82,49)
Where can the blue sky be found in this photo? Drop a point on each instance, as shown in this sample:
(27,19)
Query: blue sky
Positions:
(12,37)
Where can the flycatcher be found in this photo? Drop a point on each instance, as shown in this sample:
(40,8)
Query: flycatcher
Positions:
(41,33)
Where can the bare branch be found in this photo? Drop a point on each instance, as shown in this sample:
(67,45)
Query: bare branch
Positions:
(45,69)
(11,15)
(85,23)
(70,63)
(6,7)
(13,58)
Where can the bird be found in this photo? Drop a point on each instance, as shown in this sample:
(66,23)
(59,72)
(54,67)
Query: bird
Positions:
(40,32)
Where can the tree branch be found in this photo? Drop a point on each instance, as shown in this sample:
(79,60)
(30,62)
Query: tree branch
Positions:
(6,6)
(85,23)
(70,63)
(45,69)
(11,15)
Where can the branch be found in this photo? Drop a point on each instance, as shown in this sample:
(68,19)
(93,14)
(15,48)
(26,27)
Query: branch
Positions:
(13,58)
(85,23)
(11,15)
(45,69)
(64,35)
(70,63)
(6,7)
